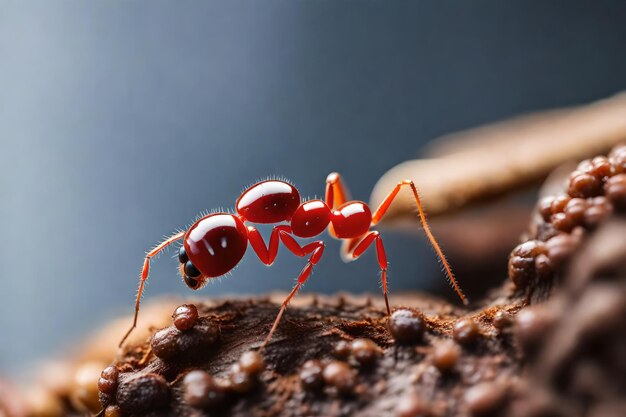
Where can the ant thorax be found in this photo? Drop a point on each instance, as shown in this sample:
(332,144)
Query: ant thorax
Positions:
(271,201)
(310,219)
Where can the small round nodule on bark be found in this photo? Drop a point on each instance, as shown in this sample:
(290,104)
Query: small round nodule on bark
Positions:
(252,363)
(185,317)
(406,326)
(562,222)
(365,351)
(575,210)
(445,355)
(465,331)
(311,377)
(559,203)
(201,391)
(341,349)
(560,248)
(164,343)
(241,382)
(143,393)
(584,185)
(108,380)
(522,269)
(615,190)
(170,342)
(602,167)
(110,372)
(531,325)
(113,411)
(483,398)
(599,167)
(599,209)
(543,266)
(338,374)
(502,319)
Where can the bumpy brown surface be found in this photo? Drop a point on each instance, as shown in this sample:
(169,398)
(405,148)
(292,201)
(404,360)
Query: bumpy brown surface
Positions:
(311,332)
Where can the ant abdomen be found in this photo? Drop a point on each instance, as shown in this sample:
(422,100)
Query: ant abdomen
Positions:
(271,201)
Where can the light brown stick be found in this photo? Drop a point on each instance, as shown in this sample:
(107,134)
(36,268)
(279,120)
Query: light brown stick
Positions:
(491,161)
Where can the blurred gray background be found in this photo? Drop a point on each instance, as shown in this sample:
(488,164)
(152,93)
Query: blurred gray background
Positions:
(121,120)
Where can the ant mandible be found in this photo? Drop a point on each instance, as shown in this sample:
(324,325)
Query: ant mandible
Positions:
(216,243)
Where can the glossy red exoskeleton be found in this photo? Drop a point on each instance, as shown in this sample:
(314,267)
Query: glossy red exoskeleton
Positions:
(216,243)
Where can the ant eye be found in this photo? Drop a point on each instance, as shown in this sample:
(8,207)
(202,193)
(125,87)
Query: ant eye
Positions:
(191,271)
(182,255)
(191,283)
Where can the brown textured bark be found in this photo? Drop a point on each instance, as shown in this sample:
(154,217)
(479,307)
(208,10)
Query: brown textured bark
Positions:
(309,331)
(574,368)
(572,364)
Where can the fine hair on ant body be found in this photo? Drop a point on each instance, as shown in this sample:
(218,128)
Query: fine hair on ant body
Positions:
(217,242)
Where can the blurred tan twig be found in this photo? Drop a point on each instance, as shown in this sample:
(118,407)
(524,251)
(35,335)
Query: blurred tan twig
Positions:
(494,160)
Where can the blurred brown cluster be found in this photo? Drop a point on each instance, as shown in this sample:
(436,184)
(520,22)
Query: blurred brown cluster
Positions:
(595,189)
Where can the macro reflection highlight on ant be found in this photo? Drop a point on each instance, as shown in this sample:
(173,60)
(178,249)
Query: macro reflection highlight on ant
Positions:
(217,242)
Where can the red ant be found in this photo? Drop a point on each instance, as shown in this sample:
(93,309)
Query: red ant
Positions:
(216,243)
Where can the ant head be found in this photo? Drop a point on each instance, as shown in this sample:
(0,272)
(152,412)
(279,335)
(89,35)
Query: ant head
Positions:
(212,247)
(195,282)
(191,276)
(310,219)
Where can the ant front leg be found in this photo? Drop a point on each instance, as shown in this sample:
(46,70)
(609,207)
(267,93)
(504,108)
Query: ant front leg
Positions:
(362,246)
(384,206)
(145,271)
(316,249)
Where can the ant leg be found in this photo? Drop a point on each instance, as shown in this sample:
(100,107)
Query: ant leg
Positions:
(362,246)
(316,249)
(267,254)
(292,244)
(382,209)
(304,275)
(144,277)
(336,191)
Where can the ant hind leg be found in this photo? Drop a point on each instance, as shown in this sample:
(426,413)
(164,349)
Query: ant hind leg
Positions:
(382,209)
(362,246)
